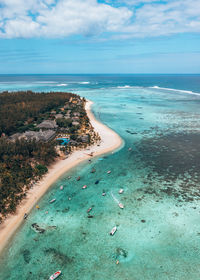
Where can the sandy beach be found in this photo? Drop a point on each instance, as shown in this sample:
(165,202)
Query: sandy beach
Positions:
(109,142)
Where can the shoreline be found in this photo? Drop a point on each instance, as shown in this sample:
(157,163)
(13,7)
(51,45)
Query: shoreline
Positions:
(110,141)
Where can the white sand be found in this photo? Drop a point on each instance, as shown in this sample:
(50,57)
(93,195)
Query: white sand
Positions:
(109,142)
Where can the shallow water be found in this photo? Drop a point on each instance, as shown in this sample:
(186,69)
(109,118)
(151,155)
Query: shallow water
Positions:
(158,231)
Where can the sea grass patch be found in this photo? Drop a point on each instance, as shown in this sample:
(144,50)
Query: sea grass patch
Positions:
(173,159)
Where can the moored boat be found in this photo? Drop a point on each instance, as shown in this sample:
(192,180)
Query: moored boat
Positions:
(113,231)
(61,187)
(53,200)
(121,191)
(121,205)
(55,275)
(25,216)
(108,172)
(89,209)
(84,187)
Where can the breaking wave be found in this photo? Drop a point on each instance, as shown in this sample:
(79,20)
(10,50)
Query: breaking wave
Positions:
(123,87)
(177,90)
(61,85)
(84,83)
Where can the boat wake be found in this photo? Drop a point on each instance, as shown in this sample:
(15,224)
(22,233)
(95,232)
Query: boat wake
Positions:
(114,198)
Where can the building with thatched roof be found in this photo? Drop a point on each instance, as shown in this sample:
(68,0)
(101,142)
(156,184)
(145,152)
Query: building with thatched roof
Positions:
(47,124)
(45,135)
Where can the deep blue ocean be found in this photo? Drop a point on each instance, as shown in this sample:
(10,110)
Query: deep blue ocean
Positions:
(158,231)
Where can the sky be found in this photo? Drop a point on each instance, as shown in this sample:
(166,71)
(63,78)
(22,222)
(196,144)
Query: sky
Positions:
(104,36)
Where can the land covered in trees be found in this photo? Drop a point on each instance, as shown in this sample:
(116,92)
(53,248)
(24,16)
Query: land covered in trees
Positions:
(30,124)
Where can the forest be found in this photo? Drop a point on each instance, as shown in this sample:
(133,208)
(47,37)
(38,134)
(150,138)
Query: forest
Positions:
(22,161)
(19,109)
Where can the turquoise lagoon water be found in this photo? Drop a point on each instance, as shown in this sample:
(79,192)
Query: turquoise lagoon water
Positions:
(158,231)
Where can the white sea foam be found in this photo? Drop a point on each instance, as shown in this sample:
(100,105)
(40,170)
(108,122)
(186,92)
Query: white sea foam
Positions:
(126,86)
(84,83)
(177,90)
(61,85)
(45,82)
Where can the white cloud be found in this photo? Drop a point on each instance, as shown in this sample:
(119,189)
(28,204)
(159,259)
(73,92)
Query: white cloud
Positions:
(82,17)
(22,18)
(129,18)
(156,19)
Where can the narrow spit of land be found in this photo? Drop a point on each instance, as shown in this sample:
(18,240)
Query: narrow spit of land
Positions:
(109,141)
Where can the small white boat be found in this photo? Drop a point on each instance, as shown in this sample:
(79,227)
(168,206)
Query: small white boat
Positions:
(108,172)
(113,231)
(103,194)
(121,191)
(84,187)
(52,200)
(61,187)
(55,275)
(121,205)
(89,209)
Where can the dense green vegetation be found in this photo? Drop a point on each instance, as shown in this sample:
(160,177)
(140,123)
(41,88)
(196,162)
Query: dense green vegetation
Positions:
(18,110)
(23,161)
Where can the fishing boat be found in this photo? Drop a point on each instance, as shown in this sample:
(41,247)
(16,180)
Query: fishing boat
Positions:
(84,187)
(52,200)
(121,191)
(103,194)
(121,205)
(55,275)
(61,187)
(113,231)
(108,172)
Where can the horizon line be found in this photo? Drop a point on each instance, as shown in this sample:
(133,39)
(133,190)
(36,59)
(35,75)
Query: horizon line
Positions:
(27,74)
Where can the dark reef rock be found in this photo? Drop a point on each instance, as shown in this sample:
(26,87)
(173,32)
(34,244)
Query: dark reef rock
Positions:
(26,255)
(90,216)
(121,253)
(37,228)
(130,132)
(58,256)
(173,162)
